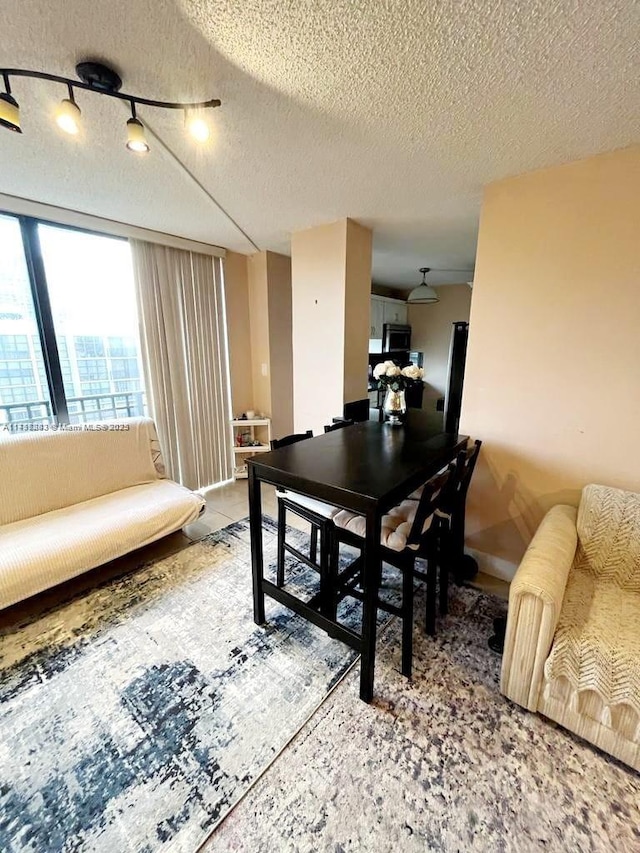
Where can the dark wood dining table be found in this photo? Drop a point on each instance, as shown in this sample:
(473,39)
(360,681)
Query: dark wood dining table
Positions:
(366,468)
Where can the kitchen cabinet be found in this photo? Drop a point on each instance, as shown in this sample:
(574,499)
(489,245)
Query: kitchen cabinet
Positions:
(377,317)
(386,310)
(395,312)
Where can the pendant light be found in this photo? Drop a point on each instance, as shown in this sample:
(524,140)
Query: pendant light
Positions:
(423,294)
(9,109)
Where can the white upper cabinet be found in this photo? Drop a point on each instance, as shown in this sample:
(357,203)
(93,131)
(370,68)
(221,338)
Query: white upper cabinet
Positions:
(395,312)
(377,317)
(384,310)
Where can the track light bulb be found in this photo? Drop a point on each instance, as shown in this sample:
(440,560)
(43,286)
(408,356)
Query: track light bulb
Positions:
(198,128)
(136,140)
(68,116)
(9,113)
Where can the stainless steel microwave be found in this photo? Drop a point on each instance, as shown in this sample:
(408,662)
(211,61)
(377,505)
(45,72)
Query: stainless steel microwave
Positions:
(396,338)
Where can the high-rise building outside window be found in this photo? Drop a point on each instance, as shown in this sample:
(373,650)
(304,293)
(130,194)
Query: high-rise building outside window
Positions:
(89,368)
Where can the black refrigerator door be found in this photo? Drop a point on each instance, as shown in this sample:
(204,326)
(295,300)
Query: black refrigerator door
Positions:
(457,358)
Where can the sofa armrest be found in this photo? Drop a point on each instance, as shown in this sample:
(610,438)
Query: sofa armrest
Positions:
(535,600)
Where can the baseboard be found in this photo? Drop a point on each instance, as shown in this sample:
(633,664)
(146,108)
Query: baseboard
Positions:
(492,565)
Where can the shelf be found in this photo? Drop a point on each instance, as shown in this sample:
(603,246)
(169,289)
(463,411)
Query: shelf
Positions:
(256,429)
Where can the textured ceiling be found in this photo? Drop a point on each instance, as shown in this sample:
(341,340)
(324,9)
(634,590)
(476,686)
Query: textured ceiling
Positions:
(394,113)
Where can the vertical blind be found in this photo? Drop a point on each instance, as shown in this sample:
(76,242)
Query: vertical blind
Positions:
(183,339)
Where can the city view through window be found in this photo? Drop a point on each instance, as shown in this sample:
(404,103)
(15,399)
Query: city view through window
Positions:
(93,310)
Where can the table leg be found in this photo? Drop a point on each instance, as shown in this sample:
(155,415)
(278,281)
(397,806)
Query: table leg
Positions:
(255,528)
(371,570)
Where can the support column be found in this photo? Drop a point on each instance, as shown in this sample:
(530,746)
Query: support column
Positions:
(269,278)
(331,290)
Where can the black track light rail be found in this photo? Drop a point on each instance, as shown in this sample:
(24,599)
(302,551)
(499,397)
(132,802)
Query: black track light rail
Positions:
(7,73)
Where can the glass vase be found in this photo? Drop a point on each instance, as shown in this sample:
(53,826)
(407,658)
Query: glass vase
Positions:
(394,407)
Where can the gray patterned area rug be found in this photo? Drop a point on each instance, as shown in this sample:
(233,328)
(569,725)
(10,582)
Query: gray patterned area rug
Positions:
(133,717)
(439,763)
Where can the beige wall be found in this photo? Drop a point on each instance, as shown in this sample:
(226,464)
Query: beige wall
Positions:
(259,322)
(431,334)
(357,301)
(553,369)
(239,335)
(280,343)
(269,277)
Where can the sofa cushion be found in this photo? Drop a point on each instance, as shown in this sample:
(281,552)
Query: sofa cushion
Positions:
(38,553)
(49,470)
(609,535)
(597,642)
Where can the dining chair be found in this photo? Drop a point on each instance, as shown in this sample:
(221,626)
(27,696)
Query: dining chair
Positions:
(357,410)
(317,513)
(451,512)
(409,530)
(459,558)
(339,424)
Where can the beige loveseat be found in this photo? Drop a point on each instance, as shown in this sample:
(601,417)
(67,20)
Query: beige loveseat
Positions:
(572,647)
(72,500)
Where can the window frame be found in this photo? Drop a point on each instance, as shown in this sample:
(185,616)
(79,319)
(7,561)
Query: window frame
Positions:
(42,304)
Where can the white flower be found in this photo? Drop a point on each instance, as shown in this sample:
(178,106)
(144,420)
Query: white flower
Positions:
(413,372)
(379,370)
(393,370)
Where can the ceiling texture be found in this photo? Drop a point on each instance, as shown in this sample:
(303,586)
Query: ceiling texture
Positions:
(395,113)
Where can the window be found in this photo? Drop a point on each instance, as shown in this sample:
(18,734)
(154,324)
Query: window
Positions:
(86,317)
(24,391)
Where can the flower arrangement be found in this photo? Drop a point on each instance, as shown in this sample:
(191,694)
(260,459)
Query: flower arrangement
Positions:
(394,378)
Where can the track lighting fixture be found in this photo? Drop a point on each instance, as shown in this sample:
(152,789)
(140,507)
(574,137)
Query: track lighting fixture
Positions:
(99,78)
(9,109)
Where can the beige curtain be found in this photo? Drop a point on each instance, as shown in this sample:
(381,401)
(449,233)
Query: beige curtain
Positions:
(184,353)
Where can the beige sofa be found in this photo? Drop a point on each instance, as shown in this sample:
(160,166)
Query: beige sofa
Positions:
(72,500)
(572,647)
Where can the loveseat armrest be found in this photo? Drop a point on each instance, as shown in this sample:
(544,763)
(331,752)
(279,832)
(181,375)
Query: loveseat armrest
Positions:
(535,600)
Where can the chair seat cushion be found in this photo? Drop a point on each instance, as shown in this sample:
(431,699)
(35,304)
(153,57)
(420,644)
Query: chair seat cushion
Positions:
(597,642)
(396,525)
(319,507)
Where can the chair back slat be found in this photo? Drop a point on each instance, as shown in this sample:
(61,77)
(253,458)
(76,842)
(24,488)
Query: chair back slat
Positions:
(471,457)
(337,425)
(432,494)
(456,495)
(277,443)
